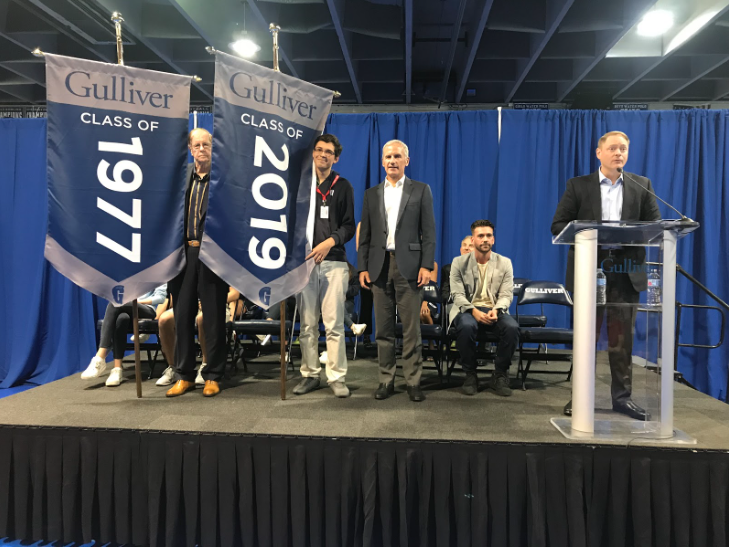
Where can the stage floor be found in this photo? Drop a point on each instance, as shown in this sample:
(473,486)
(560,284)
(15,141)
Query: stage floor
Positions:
(250,404)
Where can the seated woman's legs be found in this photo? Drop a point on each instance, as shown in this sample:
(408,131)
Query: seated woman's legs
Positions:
(167,339)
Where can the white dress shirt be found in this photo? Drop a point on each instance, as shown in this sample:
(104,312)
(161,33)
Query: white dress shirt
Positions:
(612,198)
(393,197)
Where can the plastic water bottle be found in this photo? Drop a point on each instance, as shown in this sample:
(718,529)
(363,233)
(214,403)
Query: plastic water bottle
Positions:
(601,287)
(654,289)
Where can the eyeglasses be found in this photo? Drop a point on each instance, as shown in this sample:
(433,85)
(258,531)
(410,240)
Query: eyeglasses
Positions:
(320,150)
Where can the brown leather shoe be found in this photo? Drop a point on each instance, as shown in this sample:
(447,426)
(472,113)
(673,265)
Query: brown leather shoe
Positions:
(211,389)
(179,388)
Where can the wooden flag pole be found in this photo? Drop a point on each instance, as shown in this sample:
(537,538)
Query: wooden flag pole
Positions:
(117,18)
(282,331)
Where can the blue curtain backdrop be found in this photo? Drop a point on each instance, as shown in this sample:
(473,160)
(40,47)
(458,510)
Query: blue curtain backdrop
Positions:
(516,182)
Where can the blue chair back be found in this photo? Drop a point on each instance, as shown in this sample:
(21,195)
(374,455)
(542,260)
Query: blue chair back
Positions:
(543,292)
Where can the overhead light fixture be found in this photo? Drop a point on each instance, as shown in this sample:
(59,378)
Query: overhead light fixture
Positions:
(245,47)
(690,29)
(655,23)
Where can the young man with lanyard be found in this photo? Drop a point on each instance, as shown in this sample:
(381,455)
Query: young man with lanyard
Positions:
(325,293)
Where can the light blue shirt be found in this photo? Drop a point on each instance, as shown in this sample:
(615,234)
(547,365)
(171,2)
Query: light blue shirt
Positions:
(158,296)
(612,198)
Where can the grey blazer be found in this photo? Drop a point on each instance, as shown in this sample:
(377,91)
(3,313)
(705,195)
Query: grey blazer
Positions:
(414,233)
(582,201)
(464,282)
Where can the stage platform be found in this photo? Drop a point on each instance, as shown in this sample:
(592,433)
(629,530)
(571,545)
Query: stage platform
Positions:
(80,461)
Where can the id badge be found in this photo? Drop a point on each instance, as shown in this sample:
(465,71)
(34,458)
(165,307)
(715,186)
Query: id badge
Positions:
(324,212)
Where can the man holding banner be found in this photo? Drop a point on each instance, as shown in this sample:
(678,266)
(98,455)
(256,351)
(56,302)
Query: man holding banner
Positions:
(327,288)
(197,280)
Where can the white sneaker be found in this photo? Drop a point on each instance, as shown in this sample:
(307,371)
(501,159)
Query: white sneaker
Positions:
(199,379)
(95,368)
(115,377)
(323,358)
(358,328)
(168,377)
(143,338)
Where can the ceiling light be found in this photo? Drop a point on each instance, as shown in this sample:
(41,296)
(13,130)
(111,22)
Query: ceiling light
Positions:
(655,23)
(245,47)
(690,29)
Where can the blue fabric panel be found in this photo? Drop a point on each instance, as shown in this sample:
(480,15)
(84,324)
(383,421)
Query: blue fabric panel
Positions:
(46,323)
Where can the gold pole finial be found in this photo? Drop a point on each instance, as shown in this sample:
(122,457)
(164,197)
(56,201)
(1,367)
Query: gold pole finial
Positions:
(117,18)
(38,52)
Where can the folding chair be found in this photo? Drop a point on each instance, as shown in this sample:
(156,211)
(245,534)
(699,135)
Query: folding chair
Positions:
(543,293)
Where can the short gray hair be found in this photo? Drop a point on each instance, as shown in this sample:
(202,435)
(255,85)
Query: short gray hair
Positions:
(396,142)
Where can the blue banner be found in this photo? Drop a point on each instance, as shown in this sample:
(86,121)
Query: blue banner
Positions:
(117,157)
(260,218)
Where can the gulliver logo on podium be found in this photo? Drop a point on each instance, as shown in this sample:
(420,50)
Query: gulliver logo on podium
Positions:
(116,168)
(260,212)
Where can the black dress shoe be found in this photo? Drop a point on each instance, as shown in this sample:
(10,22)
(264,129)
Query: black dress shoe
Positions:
(415,393)
(628,407)
(568,409)
(385,390)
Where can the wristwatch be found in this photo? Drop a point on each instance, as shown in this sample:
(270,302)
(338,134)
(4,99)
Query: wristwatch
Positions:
(500,311)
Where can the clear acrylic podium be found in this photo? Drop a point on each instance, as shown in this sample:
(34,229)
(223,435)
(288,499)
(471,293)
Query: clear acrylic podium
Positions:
(655,382)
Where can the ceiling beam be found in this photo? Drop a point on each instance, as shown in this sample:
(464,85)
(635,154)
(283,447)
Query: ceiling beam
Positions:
(662,59)
(281,53)
(336,9)
(133,13)
(556,11)
(408,51)
(700,67)
(475,42)
(633,12)
(452,49)
(721,90)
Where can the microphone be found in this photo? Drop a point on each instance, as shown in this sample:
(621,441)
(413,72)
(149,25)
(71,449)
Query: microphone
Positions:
(683,217)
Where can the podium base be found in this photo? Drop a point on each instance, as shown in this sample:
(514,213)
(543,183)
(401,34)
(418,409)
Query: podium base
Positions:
(622,431)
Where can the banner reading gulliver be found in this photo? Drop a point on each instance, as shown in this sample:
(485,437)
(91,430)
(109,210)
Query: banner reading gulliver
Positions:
(116,175)
(259,224)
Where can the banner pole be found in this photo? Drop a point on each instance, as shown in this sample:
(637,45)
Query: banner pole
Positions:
(137,364)
(117,18)
(282,336)
(274,28)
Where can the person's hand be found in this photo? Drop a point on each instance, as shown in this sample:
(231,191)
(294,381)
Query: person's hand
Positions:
(321,251)
(480,316)
(424,312)
(423,277)
(492,316)
(364,279)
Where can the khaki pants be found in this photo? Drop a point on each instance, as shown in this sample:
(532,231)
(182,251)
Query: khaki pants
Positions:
(325,293)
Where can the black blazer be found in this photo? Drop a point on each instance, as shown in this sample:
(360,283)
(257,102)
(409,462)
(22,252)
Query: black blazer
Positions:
(414,233)
(582,201)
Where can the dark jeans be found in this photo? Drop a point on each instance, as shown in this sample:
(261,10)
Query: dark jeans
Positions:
(620,326)
(198,280)
(467,334)
(115,326)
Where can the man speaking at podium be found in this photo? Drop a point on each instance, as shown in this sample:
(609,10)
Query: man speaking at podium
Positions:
(607,196)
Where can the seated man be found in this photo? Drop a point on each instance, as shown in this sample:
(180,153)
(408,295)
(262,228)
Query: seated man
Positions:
(482,284)
(114,330)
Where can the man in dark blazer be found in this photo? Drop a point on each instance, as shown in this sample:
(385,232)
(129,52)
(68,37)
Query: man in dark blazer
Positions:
(610,194)
(396,256)
(197,281)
